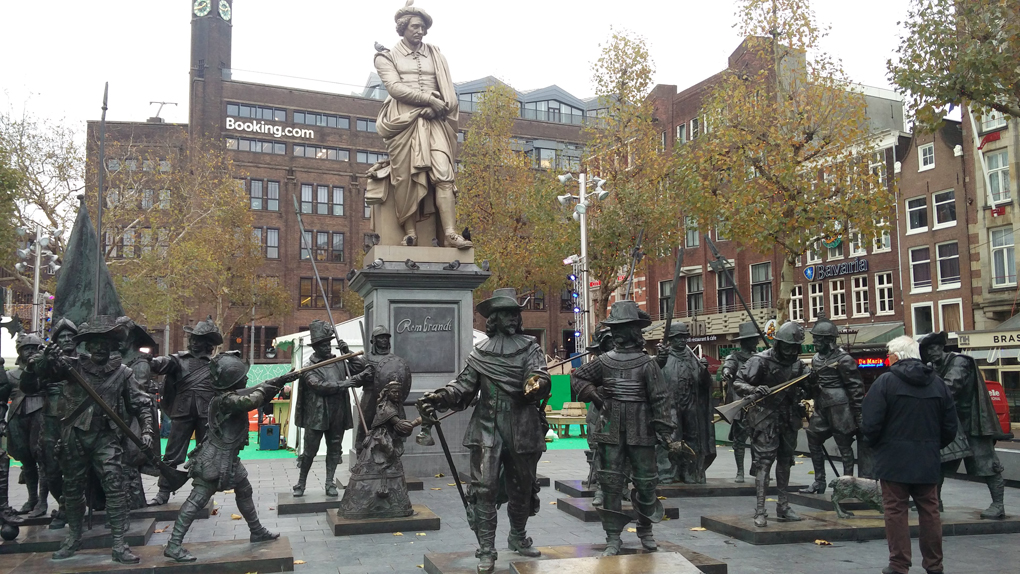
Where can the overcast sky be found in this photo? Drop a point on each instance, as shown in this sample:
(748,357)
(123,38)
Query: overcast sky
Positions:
(55,56)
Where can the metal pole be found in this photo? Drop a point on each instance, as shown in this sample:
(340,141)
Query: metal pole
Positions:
(35,280)
(100,244)
(585,277)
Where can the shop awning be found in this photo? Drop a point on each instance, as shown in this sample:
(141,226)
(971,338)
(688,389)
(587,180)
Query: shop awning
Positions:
(867,334)
(995,354)
(653,332)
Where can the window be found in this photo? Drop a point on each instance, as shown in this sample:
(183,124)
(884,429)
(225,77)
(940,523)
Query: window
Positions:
(273,196)
(366,125)
(920,268)
(917,215)
(726,295)
(884,240)
(322,199)
(720,235)
(835,252)
(545,158)
(876,165)
(321,245)
(925,157)
(272,243)
(164,199)
(814,254)
(338,200)
(128,243)
(923,320)
(951,315)
(992,120)
(945,208)
(255,193)
(816,300)
(566,301)
(884,293)
(998,176)
(336,253)
(859,285)
(1003,257)
(948,255)
(320,152)
(256,146)
(145,240)
(309,294)
(837,298)
(695,294)
(368,210)
(694,128)
(797,304)
(857,246)
(681,134)
(537,300)
(371,156)
(324,120)
(148,196)
(692,238)
(306,198)
(257,112)
(761,285)
(336,293)
(306,244)
(665,296)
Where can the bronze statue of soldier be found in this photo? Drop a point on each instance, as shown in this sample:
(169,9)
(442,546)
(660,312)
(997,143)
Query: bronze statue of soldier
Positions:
(62,333)
(838,393)
(602,343)
(691,385)
(380,369)
(323,407)
(24,429)
(628,388)
(505,435)
(90,439)
(7,514)
(135,351)
(187,390)
(775,420)
(747,338)
(215,465)
(974,445)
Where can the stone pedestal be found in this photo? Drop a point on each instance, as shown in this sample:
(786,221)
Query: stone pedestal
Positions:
(654,563)
(583,509)
(42,539)
(422,519)
(413,484)
(287,503)
(163,513)
(428,307)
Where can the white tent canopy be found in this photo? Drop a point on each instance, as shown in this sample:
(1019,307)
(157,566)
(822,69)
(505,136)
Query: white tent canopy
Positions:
(301,349)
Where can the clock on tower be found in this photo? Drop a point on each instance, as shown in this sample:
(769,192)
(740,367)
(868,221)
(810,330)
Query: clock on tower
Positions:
(200,8)
(225,10)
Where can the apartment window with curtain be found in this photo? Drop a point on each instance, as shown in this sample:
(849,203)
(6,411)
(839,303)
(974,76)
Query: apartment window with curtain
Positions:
(761,285)
(998,176)
(797,304)
(695,294)
(862,303)
(920,268)
(816,300)
(1003,257)
(726,295)
(884,293)
(665,296)
(837,298)
(948,255)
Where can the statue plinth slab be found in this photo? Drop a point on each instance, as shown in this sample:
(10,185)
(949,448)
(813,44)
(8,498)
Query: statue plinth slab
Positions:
(413,484)
(42,539)
(163,513)
(429,311)
(222,557)
(422,519)
(866,525)
(583,509)
(716,487)
(543,481)
(652,563)
(824,502)
(287,503)
(466,562)
(575,488)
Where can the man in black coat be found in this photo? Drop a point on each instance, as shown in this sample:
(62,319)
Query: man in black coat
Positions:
(908,415)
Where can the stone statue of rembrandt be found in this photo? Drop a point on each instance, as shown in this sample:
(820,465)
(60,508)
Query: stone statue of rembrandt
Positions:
(418,122)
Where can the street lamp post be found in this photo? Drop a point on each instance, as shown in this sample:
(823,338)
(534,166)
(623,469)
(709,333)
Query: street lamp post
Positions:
(581,216)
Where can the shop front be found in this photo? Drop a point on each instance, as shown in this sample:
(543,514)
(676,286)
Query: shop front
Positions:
(996,352)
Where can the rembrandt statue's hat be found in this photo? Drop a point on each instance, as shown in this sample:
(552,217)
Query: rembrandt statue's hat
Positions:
(208,329)
(410,10)
(320,331)
(625,312)
(64,324)
(103,327)
(504,299)
(747,331)
(381,331)
(938,338)
(678,329)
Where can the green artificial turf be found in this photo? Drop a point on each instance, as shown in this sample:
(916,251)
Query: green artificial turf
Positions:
(251,452)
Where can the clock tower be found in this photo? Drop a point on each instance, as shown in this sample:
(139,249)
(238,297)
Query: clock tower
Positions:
(211,23)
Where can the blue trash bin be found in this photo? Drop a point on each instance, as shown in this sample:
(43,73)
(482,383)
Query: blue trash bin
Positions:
(269,437)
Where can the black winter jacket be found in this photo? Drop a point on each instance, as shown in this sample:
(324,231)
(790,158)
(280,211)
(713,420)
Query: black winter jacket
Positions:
(909,414)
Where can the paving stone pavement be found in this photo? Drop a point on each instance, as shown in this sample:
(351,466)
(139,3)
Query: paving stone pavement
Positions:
(384,553)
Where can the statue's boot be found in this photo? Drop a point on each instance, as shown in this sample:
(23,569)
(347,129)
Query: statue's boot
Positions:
(644,533)
(447,207)
(31,475)
(613,522)
(117,514)
(847,454)
(331,464)
(72,542)
(997,487)
(738,455)
(7,514)
(783,511)
(304,465)
(485,531)
(173,548)
(410,233)
(518,541)
(762,485)
(818,462)
(599,498)
(42,506)
(246,506)
(162,497)
(58,518)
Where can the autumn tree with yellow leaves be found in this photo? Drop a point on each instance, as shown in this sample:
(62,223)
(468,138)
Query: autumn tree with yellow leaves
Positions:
(786,158)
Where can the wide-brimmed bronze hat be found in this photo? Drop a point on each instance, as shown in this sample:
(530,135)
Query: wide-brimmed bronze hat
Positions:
(206,328)
(938,338)
(504,299)
(320,330)
(747,331)
(410,10)
(101,326)
(625,312)
(139,335)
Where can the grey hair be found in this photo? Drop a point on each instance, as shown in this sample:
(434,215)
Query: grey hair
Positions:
(404,21)
(904,347)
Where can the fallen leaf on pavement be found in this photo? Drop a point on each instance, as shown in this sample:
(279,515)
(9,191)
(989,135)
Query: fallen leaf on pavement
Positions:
(299,562)
(699,529)
(632,530)
(440,475)
(231,491)
(545,461)
(420,566)
(801,456)
(398,533)
(159,530)
(770,500)
(662,498)
(451,484)
(821,542)
(272,508)
(665,518)
(553,502)
(437,488)
(798,462)
(810,472)
(420,534)
(236,517)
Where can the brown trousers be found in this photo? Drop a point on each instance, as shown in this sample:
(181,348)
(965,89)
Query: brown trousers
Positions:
(895,496)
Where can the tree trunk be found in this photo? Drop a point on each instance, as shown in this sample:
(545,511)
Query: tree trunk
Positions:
(785,288)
